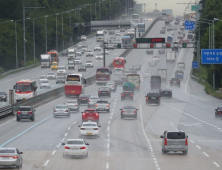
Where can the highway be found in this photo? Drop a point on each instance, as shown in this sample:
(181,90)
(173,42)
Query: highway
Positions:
(125,144)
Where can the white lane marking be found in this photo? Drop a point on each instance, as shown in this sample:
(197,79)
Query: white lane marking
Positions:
(107,128)
(198,146)
(53,152)
(62,140)
(176,128)
(108,145)
(45,164)
(74,123)
(172,124)
(145,135)
(109,122)
(215,163)
(191,141)
(107,165)
(69,128)
(108,153)
(108,135)
(205,154)
(66,134)
(7,122)
(58,145)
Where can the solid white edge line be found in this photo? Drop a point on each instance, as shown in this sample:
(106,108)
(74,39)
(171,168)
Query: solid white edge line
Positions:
(205,154)
(215,163)
(107,165)
(46,163)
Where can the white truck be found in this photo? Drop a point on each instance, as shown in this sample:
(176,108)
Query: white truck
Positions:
(100,36)
(170,56)
(163,74)
(45,60)
(71,54)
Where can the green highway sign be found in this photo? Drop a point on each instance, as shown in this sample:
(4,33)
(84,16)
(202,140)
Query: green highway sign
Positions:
(194,7)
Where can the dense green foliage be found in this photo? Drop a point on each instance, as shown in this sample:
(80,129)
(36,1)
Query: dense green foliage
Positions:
(12,10)
(212,9)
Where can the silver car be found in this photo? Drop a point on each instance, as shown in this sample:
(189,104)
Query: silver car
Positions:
(174,141)
(51,76)
(72,105)
(61,70)
(128,111)
(92,101)
(61,110)
(111,85)
(77,60)
(10,157)
(45,84)
(42,77)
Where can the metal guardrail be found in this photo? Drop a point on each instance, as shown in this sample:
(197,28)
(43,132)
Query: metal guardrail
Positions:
(55,93)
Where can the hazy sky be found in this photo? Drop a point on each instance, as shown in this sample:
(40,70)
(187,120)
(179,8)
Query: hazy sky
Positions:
(178,9)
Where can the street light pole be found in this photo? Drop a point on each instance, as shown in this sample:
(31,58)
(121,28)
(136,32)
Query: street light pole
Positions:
(56,33)
(46,34)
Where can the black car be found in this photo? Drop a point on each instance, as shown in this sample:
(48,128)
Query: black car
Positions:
(175,49)
(60,79)
(25,112)
(218,112)
(104,91)
(137,67)
(127,95)
(81,68)
(153,98)
(175,82)
(3,96)
(83,99)
(166,93)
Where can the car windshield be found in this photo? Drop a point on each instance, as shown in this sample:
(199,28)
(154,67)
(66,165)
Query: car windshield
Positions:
(43,77)
(75,142)
(61,68)
(88,61)
(102,101)
(128,107)
(89,51)
(71,101)
(93,98)
(51,73)
(90,111)
(175,135)
(24,109)
(60,77)
(81,67)
(104,88)
(61,107)
(89,124)
(175,79)
(153,94)
(44,81)
(2,93)
(77,58)
(7,150)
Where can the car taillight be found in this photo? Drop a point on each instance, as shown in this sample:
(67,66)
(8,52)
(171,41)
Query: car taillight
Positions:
(15,157)
(97,114)
(83,128)
(170,81)
(95,128)
(131,95)
(147,98)
(219,112)
(83,147)
(159,98)
(89,101)
(108,91)
(83,114)
(66,110)
(55,110)
(99,91)
(135,112)
(30,112)
(18,112)
(122,95)
(96,105)
(76,105)
(165,142)
(66,147)
(107,105)
(122,111)
(186,141)
(79,98)
(178,81)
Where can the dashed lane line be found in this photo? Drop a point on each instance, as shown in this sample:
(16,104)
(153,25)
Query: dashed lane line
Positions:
(215,163)
(205,154)
(53,152)
(198,146)
(46,163)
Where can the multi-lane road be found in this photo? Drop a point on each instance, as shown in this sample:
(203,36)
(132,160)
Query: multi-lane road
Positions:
(124,144)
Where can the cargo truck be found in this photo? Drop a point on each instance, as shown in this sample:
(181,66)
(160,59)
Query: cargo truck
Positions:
(135,79)
(170,56)
(45,60)
(155,82)
(71,54)
(163,74)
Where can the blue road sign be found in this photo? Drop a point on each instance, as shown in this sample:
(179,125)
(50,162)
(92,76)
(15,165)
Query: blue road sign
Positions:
(195,64)
(189,25)
(211,56)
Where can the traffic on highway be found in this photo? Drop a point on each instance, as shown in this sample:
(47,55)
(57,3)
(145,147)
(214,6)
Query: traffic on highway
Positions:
(141,111)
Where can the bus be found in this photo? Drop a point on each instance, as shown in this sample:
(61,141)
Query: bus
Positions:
(25,89)
(74,84)
(100,36)
(169,38)
(141,27)
(127,42)
(135,17)
(103,75)
(119,64)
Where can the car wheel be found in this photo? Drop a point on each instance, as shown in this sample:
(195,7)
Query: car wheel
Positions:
(163,152)
(185,152)
(18,119)
(54,116)
(132,98)
(87,155)
(18,167)
(109,96)
(32,119)
(108,110)
(136,117)
(68,115)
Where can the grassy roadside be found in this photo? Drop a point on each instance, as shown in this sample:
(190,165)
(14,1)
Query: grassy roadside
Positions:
(202,75)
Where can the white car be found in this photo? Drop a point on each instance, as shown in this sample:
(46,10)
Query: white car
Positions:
(83,37)
(51,76)
(78,52)
(89,64)
(77,60)
(45,84)
(61,70)
(42,77)
(106,52)
(97,48)
(89,129)
(84,47)
(72,105)
(146,73)
(152,63)
(79,46)
(99,57)
(111,85)
(156,58)
(118,70)
(89,53)
(75,147)
(117,34)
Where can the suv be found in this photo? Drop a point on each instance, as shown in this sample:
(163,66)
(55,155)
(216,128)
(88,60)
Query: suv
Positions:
(174,141)
(153,97)
(71,65)
(166,93)
(104,91)
(25,112)
(83,99)
(90,114)
(175,82)
(102,105)
(127,95)
(89,53)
